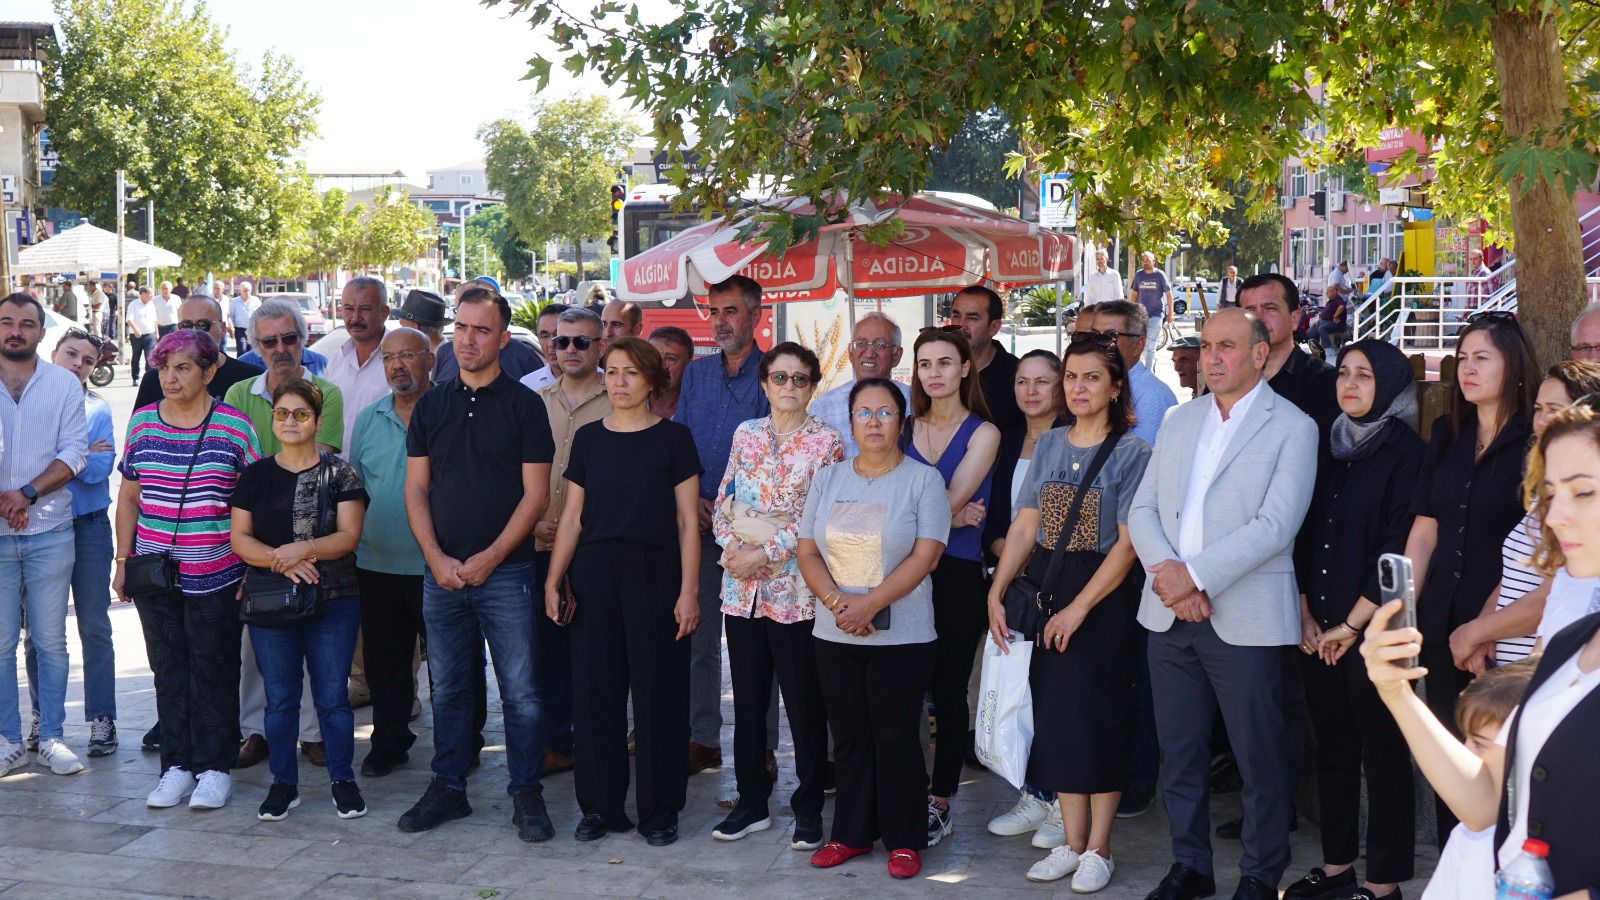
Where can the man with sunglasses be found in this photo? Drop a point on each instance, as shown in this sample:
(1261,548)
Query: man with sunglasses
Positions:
(574,400)
(875,350)
(200,313)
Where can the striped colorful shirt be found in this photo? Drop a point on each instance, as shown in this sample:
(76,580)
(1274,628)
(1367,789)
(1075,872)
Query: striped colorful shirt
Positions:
(157,457)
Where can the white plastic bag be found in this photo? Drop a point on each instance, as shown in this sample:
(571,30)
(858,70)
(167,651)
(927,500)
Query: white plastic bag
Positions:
(1005,711)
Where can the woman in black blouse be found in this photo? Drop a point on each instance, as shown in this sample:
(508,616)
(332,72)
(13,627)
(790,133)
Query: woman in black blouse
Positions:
(1361,509)
(1468,497)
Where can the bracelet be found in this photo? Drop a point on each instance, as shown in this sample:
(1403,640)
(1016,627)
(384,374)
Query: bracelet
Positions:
(118,558)
(832,600)
(1353,629)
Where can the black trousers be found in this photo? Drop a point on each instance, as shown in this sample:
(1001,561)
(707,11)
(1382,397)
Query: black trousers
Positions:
(1355,731)
(758,649)
(960,617)
(193,645)
(624,639)
(391,623)
(875,710)
(1443,685)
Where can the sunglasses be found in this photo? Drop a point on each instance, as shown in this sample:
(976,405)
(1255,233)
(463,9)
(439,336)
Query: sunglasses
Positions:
(78,334)
(867,415)
(798,379)
(279,414)
(580,341)
(1493,316)
(1103,339)
(195,325)
(289,338)
(405,356)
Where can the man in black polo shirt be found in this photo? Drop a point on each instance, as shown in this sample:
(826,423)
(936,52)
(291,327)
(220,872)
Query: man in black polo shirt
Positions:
(979,312)
(477,479)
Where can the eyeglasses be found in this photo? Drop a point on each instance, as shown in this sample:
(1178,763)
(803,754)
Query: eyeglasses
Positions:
(279,414)
(289,338)
(884,416)
(1498,316)
(196,325)
(861,345)
(798,379)
(1585,348)
(580,341)
(405,356)
(78,334)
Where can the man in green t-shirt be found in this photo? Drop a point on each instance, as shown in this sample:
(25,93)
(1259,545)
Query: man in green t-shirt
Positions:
(278,335)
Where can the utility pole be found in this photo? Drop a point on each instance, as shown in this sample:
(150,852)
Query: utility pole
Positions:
(150,238)
(122,209)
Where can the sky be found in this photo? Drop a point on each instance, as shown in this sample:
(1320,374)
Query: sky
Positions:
(405,83)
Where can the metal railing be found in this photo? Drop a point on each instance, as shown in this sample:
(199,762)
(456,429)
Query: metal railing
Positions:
(1426,313)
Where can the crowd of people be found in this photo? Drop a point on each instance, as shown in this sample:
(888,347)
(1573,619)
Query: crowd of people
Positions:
(592,524)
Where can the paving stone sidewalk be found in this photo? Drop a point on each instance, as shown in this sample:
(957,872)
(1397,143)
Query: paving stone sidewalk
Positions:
(90,835)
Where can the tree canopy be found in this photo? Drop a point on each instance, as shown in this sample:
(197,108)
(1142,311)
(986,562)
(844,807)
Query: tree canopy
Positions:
(146,86)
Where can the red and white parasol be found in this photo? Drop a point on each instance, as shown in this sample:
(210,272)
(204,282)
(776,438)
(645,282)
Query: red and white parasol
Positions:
(945,245)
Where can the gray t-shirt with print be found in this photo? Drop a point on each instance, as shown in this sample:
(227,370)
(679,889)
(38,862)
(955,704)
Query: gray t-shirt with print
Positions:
(867,528)
(1052,482)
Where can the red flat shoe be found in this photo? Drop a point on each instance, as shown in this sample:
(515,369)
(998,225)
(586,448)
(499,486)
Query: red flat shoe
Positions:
(904,863)
(833,853)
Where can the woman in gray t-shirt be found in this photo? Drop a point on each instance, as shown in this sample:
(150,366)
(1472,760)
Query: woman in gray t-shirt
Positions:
(873,529)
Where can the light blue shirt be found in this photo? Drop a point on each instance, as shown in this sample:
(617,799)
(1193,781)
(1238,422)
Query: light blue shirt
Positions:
(833,407)
(91,490)
(44,426)
(378,453)
(1151,400)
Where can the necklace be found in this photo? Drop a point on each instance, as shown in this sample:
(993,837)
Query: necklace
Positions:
(856,465)
(782,434)
(933,458)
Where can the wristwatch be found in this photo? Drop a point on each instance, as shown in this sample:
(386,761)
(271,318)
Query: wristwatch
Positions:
(28,491)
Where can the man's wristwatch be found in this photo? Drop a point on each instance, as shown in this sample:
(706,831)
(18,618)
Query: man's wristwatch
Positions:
(28,491)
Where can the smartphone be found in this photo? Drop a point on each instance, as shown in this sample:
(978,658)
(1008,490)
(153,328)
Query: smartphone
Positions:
(880,621)
(1395,583)
(568,605)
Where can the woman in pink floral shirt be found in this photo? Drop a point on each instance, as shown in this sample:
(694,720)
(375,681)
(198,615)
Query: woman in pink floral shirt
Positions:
(766,606)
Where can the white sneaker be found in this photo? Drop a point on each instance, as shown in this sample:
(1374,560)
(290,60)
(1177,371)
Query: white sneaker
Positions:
(54,752)
(212,791)
(1029,813)
(1052,833)
(12,756)
(1061,862)
(1094,872)
(175,784)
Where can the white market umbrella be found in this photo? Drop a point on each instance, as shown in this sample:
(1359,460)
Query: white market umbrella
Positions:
(90,249)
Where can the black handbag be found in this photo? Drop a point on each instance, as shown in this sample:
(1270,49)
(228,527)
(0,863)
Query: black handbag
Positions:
(1028,605)
(150,575)
(274,600)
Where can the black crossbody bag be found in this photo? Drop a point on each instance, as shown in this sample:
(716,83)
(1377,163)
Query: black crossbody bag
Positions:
(147,576)
(274,600)
(1028,605)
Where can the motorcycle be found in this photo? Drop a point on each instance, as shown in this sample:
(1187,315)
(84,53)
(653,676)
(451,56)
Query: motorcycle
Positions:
(104,367)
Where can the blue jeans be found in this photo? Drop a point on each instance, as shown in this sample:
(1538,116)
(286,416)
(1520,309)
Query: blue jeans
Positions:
(35,569)
(500,609)
(91,602)
(139,346)
(323,648)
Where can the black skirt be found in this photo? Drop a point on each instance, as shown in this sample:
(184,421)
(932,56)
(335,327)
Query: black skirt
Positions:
(1086,699)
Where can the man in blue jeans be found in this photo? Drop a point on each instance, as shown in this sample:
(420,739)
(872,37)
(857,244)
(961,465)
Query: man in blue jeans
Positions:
(43,432)
(477,479)
(77,352)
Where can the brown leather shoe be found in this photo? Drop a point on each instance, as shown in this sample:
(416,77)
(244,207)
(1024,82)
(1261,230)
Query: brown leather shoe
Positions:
(702,757)
(771,763)
(252,751)
(315,751)
(555,763)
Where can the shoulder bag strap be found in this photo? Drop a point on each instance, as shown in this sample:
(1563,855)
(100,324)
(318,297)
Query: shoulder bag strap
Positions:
(325,507)
(183,493)
(1071,521)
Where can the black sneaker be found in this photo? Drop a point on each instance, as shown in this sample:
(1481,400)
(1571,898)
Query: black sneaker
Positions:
(102,737)
(1319,885)
(347,800)
(1135,802)
(151,742)
(939,824)
(377,765)
(439,804)
(807,834)
(531,818)
(742,821)
(280,799)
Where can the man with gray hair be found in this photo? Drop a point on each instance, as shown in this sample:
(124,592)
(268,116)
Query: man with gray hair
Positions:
(1586,334)
(875,350)
(355,366)
(1103,282)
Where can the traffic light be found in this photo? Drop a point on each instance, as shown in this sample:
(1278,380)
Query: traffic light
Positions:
(618,194)
(612,242)
(444,243)
(1319,204)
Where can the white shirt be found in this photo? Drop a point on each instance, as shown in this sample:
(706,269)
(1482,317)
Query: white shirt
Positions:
(1541,713)
(1228,291)
(47,425)
(142,315)
(1098,287)
(361,385)
(1570,600)
(165,309)
(1340,278)
(1019,477)
(1466,867)
(833,407)
(1215,435)
(540,378)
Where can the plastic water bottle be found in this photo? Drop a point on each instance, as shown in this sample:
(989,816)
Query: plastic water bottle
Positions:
(1528,877)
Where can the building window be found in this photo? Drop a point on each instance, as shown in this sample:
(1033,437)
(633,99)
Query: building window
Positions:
(1317,252)
(1372,244)
(466,179)
(1297,181)
(1336,184)
(1346,249)
(1297,252)
(1397,247)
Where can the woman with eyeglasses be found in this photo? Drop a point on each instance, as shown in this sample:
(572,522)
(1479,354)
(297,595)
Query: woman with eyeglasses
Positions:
(183,457)
(1468,497)
(766,607)
(1084,670)
(949,430)
(872,531)
(298,513)
(628,543)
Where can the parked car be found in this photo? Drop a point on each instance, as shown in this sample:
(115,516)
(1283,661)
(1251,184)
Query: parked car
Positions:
(316,322)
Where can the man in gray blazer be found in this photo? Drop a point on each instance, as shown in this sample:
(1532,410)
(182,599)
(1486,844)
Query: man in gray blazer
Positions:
(1214,523)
